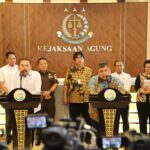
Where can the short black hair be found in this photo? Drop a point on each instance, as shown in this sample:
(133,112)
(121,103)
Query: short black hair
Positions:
(102,64)
(24,59)
(9,53)
(76,54)
(146,62)
(116,61)
(42,58)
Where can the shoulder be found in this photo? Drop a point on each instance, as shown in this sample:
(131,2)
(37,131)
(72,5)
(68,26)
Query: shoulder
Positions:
(52,73)
(35,73)
(87,69)
(126,74)
(115,79)
(114,74)
(4,68)
(95,78)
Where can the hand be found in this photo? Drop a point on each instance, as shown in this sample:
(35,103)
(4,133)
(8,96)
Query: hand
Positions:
(145,90)
(65,100)
(46,94)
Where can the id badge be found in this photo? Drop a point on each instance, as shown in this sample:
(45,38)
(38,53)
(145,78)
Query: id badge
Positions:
(79,81)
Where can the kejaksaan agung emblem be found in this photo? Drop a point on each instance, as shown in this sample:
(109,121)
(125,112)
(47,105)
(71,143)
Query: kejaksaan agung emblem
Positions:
(75,28)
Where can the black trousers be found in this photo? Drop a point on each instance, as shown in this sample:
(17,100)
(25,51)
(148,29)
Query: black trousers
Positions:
(124,113)
(48,106)
(80,109)
(143,114)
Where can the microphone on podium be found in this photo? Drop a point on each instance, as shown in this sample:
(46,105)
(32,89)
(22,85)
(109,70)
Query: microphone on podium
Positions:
(22,74)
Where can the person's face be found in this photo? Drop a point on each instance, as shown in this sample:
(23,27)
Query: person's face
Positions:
(147,68)
(43,65)
(104,72)
(79,61)
(11,60)
(25,66)
(119,67)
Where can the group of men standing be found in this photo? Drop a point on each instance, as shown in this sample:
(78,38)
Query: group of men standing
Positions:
(43,82)
(78,84)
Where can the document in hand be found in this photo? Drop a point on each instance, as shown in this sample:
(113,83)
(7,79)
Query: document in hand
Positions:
(147,84)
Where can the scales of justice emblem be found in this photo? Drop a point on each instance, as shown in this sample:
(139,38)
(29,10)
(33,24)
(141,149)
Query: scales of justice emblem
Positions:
(75,28)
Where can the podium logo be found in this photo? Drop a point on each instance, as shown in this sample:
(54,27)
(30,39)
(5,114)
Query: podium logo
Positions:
(75,28)
(110,95)
(19,95)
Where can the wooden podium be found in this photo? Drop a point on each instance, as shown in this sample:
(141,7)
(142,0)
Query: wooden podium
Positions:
(108,103)
(20,103)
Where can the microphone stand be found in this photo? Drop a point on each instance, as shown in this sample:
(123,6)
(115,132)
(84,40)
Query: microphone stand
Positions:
(21,80)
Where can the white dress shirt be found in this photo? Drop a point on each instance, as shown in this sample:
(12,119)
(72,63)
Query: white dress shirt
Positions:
(31,82)
(125,78)
(6,75)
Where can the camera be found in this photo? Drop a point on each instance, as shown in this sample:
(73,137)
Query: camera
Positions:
(136,141)
(38,121)
(111,142)
(77,135)
(64,134)
(131,140)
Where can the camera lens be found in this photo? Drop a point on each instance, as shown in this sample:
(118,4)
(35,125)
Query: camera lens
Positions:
(55,137)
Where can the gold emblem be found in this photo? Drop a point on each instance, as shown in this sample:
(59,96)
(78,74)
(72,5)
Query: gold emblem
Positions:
(110,95)
(19,95)
(75,28)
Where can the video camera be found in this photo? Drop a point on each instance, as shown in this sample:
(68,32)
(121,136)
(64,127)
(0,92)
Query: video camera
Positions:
(64,134)
(77,135)
(131,140)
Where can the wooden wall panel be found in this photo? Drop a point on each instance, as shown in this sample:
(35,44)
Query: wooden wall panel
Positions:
(1,37)
(105,25)
(135,37)
(26,26)
(14,29)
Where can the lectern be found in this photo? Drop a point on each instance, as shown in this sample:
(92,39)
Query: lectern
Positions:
(20,102)
(108,103)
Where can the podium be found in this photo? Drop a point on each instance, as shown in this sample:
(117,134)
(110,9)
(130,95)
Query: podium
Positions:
(20,102)
(108,103)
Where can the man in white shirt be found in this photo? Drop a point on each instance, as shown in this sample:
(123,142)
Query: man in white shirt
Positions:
(27,78)
(6,79)
(7,72)
(126,79)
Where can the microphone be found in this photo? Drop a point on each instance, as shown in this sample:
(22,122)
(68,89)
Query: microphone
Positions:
(108,80)
(21,75)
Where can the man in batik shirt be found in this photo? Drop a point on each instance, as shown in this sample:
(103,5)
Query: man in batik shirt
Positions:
(76,89)
(100,82)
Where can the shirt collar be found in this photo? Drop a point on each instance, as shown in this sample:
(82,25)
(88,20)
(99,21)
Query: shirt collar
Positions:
(109,78)
(11,67)
(119,74)
(79,68)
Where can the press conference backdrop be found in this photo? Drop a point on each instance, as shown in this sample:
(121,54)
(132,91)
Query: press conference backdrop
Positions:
(102,31)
